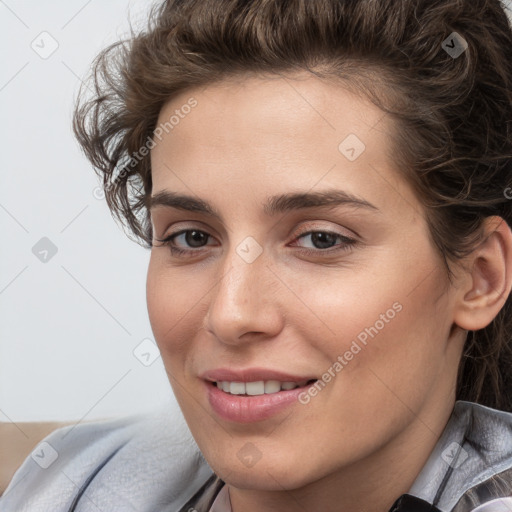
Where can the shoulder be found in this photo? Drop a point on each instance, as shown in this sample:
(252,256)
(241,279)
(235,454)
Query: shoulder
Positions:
(137,463)
(471,465)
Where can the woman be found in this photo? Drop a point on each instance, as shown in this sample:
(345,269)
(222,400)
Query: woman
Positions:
(325,189)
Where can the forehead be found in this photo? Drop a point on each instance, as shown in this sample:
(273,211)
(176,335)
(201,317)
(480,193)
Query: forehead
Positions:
(271,104)
(275,132)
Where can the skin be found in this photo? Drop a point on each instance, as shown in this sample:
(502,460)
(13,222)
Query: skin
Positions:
(360,442)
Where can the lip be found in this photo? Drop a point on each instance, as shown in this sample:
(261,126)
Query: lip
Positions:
(249,409)
(252,375)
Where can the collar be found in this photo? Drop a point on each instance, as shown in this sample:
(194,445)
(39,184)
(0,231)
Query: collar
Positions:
(471,463)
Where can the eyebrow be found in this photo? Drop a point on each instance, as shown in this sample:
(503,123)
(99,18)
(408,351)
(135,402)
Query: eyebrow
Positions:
(281,203)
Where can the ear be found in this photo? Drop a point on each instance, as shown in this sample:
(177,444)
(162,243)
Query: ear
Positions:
(487,280)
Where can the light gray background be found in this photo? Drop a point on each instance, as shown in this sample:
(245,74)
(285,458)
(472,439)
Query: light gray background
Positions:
(69,326)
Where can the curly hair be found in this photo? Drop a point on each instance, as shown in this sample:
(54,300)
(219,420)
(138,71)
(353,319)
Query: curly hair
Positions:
(453,111)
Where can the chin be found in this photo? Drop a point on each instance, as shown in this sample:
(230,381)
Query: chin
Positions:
(263,481)
(267,475)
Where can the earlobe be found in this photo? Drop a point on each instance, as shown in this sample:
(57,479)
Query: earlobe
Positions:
(487,281)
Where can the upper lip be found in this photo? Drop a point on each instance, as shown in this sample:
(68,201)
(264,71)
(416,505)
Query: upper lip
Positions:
(252,375)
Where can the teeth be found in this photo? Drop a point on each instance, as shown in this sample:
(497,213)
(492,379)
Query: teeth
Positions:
(237,388)
(259,387)
(272,386)
(255,388)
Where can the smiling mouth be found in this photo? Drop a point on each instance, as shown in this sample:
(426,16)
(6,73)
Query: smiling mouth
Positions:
(260,387)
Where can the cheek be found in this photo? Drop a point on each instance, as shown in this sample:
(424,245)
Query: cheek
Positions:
(158,298)
(173,302)
(391,357)
(381,335)
(172,298)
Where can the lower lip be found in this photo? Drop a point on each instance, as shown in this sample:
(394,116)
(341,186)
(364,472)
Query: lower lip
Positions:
(247,409)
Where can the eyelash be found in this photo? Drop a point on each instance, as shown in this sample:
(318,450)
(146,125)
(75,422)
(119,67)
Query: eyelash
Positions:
(348,243)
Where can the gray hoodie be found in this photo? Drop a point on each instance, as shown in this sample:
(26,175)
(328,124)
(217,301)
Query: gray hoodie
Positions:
(151,463)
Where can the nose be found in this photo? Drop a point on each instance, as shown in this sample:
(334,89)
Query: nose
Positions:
(244,304)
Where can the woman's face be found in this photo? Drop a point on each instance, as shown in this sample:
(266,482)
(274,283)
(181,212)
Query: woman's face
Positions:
(306,256)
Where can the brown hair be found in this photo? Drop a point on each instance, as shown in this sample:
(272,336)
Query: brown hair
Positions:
(453,112)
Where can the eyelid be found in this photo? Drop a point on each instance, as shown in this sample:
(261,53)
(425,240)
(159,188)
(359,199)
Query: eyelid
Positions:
(190,225)
(305,228)
(311,226)
(347,244)
(167,238)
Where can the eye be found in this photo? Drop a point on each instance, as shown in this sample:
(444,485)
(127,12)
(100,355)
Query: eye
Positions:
(320,241)
(189,241)
(189,238)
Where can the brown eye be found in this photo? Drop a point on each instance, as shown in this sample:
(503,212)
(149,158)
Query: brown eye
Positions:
(195,238)
(185,241)
(322,240)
